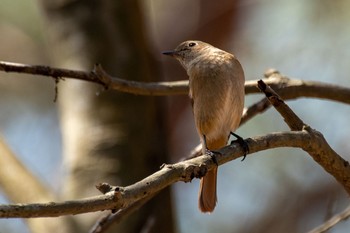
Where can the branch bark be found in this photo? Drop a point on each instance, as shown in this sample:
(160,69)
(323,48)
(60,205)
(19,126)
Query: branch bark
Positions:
(292,88)
(317,147)
(99,76)
(288,89)
(123,197)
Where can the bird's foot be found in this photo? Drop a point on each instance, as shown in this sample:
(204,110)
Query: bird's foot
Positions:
(242,143)
(212,155)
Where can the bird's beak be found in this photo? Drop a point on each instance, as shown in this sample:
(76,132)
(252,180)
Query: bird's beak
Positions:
(170,53)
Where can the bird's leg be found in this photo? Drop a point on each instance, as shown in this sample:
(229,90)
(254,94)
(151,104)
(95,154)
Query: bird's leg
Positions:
(211,153)
(242,143)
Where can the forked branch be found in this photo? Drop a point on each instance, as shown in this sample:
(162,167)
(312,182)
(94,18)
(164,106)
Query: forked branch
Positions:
(122,197)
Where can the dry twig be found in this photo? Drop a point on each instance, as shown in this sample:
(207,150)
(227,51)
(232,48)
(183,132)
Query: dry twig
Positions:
(332,221)
(101,77)
(292,88)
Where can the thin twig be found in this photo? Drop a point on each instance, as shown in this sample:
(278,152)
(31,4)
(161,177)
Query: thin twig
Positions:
(332,221)
(105,222)
(101,77)
(292,88)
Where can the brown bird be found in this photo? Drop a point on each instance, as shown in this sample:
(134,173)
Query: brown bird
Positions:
(217,93)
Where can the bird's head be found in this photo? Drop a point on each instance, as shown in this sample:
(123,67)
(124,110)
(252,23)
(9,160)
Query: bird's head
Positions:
(188,51)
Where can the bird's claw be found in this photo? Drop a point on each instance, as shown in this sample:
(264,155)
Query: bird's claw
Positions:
(212,155)
(242,143)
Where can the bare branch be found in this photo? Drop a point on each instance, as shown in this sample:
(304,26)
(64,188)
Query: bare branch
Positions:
(141,88)
(292,120)
(100,77)
(317,147)
(332,221)
(54,209)
(122,197)
(105,222)
(292,88)
(16,179)
(295,88)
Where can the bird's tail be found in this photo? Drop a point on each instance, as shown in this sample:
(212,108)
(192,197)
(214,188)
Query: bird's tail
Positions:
(207,191)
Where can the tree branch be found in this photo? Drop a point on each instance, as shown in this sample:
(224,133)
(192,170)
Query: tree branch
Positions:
(105,222)
(99,76)
(122,197)
(332,221)
(289,89)
(292,88)
(295,88)
(317,147)
(16,179)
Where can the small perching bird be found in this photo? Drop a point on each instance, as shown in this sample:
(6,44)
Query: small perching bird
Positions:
(217,93)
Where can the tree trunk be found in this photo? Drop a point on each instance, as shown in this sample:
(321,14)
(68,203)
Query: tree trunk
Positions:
(107,136)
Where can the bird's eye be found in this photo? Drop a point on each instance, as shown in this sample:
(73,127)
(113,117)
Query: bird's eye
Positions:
(191,44)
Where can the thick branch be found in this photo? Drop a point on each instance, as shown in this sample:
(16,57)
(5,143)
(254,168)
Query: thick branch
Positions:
(317,147)
(185,171)
(54,209)
(122,197)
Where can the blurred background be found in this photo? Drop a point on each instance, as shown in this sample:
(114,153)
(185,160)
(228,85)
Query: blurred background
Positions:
(90,135)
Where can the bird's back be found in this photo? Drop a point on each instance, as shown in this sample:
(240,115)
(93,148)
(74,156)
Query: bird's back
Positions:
(217,82)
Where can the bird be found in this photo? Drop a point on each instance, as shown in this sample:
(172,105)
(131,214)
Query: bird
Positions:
(216,90)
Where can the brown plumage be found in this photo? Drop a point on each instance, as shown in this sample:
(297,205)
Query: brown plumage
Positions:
(217,93)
